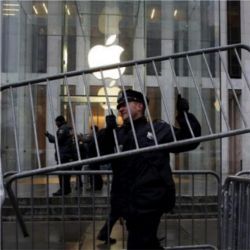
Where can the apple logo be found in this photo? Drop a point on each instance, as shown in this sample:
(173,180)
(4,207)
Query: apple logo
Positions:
(101,55)
(112,93)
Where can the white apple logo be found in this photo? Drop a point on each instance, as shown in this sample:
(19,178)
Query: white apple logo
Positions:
(112,93)
(101,55)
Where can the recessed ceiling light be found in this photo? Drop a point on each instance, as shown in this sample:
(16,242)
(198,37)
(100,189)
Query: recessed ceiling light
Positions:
(35,9)
(9,9)
(11,4)
(45,8)
(9,14)
(152,13)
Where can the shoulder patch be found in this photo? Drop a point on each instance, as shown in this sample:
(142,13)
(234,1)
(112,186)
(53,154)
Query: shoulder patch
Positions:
(60,131)
(150,136)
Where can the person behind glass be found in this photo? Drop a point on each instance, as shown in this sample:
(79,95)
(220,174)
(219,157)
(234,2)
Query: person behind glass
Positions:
(66,152)
(142,186)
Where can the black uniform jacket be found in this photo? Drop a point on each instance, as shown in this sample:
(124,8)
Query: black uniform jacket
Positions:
(65,142)
(142,183)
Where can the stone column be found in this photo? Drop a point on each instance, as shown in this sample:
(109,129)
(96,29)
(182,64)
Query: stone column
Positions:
(82,49)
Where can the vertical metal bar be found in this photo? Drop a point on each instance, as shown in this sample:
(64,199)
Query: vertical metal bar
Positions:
(245,216)
(63,208)
(146,104)
(14,203)
(230,219)
(234,211)
(108,214)
(242,218)
(48,211)
(219,218)
(110,111)
(91,115)
(164,100)
(234,227)
(32,212)
(233,90)
(248,218)
(2,198)
(192,209)
(199,95)
(217,96)
(72,117)
(34,126)
(239,219)
(93,208)
(15,130)
(178,91)
(206,210)
(1,228)
(78,176)
(17,215)
(239,235)
(179,213)
(242,69)
(225,219)
(52,115)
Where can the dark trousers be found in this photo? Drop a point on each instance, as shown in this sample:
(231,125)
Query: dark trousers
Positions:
(64,182)
(79,182)
(106,230)
(142,231)
(96,182)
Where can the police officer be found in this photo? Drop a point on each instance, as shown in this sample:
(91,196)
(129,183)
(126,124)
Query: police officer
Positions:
(66,151)
(142,186)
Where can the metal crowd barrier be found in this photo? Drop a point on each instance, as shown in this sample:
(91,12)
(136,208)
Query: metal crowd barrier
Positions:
(75,219)
(236,213)
(243,173)
(206,59)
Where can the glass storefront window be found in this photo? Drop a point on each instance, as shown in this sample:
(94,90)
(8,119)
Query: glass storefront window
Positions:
(9,43)
(53,36)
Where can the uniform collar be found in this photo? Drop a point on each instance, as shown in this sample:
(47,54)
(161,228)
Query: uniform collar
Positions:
(140,121)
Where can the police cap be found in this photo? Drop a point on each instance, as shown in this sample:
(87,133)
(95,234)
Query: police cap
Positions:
(132,96)
(60,119)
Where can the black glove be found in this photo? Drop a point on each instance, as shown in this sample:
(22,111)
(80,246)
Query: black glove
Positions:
(111,122)
(182,104)
(46,134)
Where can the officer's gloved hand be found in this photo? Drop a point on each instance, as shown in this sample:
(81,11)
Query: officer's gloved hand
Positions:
(46,134)
(111,122)
(182,105)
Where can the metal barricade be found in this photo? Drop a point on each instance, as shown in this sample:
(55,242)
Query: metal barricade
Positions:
(243,173)
(73,221)
(236,213)
(138,68)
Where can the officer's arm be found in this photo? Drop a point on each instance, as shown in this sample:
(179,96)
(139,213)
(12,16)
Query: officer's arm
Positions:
(105,143)
(165,135)
(50,137)
(184,132)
